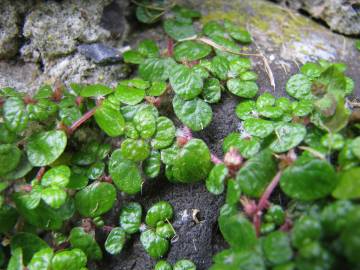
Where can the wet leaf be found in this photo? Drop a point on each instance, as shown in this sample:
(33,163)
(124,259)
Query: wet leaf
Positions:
(238,66)
(196,113)
(163,265)
(216,179)
(73,259)
(246,109)
(308,179)
(156,69)
(184,265)
(41,260)
(288,136)
(95,90)
(178,30)
(220,67)
(247,147)
(277,249)
(233,192)
(312,70)
(14,113)
(16,260)
(165,231)
(165,133)
(146,15)
(54,196)
(130,217)
(125,173)
(237,33)
(157,89)
(185,82)
(8,216)
(258,127)
(245,89)
(349,184)
(299,87)
(29,243)
(152,164)
(257,173)
(109,118)
(302,108)
(86,242)
(45,147)
(133,57)
(160,211)
(95,199)
(305,229)
(9,158)
(193,162)
(115,241)
(148,48)
(153,244)
(236,229)
(212,90)
(56,176)
(6,136)
(213,29)
(135,150)
(145,123)
(96,170)
(129,95)
(191,51)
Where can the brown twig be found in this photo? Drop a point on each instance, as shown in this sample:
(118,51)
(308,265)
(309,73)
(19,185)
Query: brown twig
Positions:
(81,120)
(40,173)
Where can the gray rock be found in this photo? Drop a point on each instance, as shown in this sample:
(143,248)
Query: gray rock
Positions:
(100,53)
(342,16)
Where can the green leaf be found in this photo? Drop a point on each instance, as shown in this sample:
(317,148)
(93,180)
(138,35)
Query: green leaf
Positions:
(355,147)
(54,196)
(185,82)
(169,154)
(233,192)
(245,89)
(349,238)
(308,179)
(238,65)
(29,243)
(56,176)
(165,133)
(14,113)
(135,150)
(157,89)
(299,87)
(96,170)
(156,69)
(196,113)
(178,30)
(220,67)
(125,173)
(129,95)
(160,211)
(109,118)
(265,99)
(349,184)
(216,179)
(95,90)
(42,110)
(334,217)
(288,136)
(212,90)
(234,260)
(31,199)
(305,229)
(6,136)
(148,48)
(73,259)
(9,158)
(275,214)
(115,241)
(154,245)
(165,231)
(236,229)
(246,109)
(213,28)
(8,217)
(41,260)
(45,147)
(302,108)
(312,70)
(257,173)
(193,162)
(77,181)
(258,127)
(146,15)
(191,51)
(152,164)
(248,76)
(184,265)
(95,199)
(163,265)
(16,260)
(277,248)
(135,83)
(80,239)
(237,33)
(247,147)
(130,217)
(133,57)
(145,123)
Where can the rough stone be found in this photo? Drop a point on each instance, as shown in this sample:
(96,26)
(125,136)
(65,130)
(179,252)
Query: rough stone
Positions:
(100,53)
(342,16)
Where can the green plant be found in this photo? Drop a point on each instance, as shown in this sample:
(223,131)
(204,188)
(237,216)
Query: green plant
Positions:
(66,152)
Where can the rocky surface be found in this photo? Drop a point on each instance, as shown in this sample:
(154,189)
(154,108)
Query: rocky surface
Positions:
(342,16)
(285,38)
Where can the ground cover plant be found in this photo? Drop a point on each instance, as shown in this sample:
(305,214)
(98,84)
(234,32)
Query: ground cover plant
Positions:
(68,152)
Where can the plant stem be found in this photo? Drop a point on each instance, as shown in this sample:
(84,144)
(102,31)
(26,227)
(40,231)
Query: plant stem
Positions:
(40,174)
(264,200)
(170,47)
(215,159)
(81,120)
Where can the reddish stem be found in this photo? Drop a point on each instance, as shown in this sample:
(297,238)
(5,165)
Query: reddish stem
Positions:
(107,228)
(264,202)
(29,100)
(40,174)
(79,101)
(58,92)
(215,159)
(107,178)
(81,120)
(287,225)
(26,188)
(170,47)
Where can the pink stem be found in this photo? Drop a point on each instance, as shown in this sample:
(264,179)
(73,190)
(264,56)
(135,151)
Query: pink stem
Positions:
(170,47)
(215,159)
(40,174)
(81,120)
